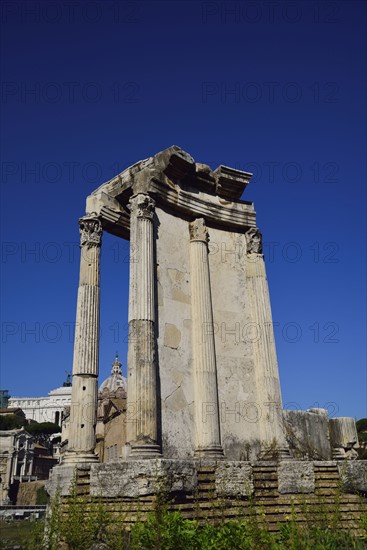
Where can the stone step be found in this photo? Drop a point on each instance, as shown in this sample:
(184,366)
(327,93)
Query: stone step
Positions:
(82,493)
(325,469)
(206,487)
(83,481)
(326,485)
(265,483)
(326,475)
(332,481)
(304,501)
(267,475)
(204,477)
(272,514)
(266,495)
(325,492)
(82,472)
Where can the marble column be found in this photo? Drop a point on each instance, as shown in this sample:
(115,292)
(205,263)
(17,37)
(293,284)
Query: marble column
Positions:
(208,443)
(270,407)
(343,437)
(83,408)
(141,414)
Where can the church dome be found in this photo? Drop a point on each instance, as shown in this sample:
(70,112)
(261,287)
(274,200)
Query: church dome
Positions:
(115,383)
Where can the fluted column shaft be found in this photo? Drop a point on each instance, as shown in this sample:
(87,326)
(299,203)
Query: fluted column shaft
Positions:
(208,442)
(265,358)
(83,409)
(142,429)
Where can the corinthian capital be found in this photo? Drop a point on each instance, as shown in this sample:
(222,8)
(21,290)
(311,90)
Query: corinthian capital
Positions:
(198,230)
(254,241)
(142,206)
(90,231)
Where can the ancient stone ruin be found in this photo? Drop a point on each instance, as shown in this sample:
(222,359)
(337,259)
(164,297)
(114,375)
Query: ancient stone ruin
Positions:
(203,392)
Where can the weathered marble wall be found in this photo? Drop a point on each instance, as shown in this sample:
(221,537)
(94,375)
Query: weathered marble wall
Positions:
(308,434)
(249,399)
(174,343)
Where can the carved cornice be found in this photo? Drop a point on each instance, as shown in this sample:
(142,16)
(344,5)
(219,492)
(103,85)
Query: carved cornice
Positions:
(254,241)
(198,230)
(142,206)
(176,166)
(233,215)
(90,229)
(180,186)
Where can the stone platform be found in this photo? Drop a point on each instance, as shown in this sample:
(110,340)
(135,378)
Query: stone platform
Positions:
(217,490)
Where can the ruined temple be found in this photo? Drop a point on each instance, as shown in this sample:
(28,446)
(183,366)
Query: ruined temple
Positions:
(203,391)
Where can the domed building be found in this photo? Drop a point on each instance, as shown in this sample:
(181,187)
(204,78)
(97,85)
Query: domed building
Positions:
(111,415)
(115,385)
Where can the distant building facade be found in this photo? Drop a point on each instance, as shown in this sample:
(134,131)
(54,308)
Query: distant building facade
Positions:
(16,460)
(21,460)
(45,409)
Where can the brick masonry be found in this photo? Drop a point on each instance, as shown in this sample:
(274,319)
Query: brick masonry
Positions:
(217,490)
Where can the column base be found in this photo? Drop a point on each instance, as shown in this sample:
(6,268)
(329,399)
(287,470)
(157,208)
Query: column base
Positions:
(213,452)
(74,457)
(144,451)
(280,453)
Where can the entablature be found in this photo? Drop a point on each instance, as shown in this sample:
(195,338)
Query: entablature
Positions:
(177,184)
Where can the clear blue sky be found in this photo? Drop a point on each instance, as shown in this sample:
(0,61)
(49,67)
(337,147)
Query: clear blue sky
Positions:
(279,89)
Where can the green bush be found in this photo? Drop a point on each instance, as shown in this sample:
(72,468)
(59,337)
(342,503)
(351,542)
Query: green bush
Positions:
(43,428)
(41,496)
(361,425)
(81,523)
(11,422)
